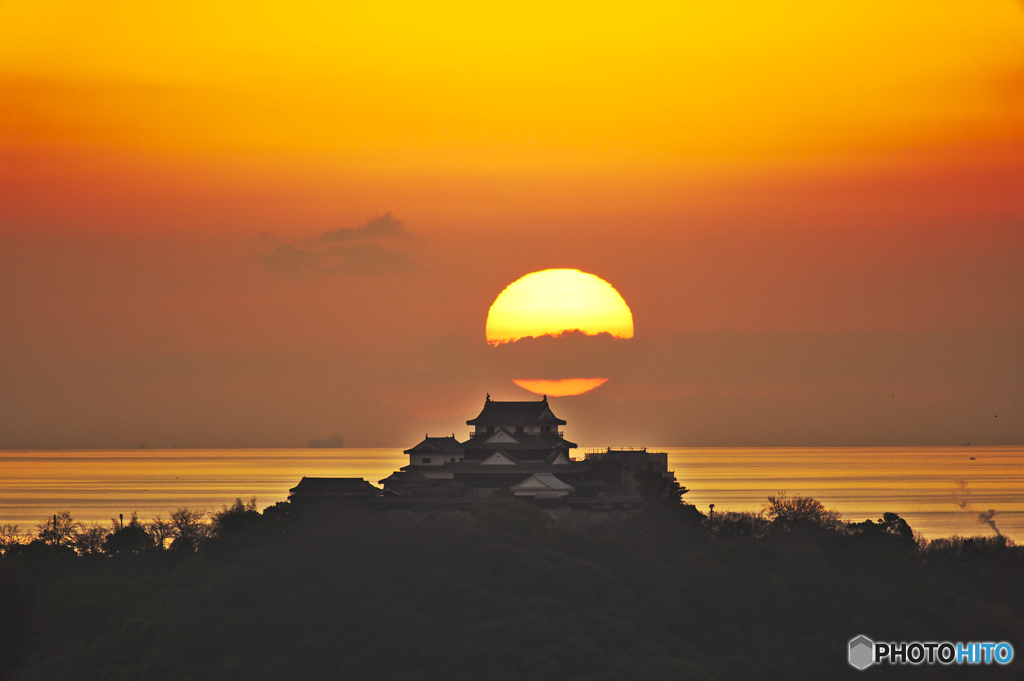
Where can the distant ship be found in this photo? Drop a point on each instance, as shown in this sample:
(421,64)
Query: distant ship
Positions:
(333,442)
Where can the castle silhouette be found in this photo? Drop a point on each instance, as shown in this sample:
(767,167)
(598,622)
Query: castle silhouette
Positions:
(516,449)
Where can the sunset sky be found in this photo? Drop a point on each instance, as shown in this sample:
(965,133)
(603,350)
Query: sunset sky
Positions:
(252,224)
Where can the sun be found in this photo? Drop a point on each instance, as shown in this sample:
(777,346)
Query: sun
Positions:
(550,302)
(559,388)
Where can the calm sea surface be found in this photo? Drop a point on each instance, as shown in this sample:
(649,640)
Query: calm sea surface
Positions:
(925,485)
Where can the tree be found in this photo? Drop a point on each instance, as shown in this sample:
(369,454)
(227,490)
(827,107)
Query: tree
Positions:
(11,536)
(160,530)
(656,487)
(128,539)
(510,515)
(901,528)
(190,529)
(59,530)
(890,527)
(235,518)
(731,525)
(800,512)
(90,540)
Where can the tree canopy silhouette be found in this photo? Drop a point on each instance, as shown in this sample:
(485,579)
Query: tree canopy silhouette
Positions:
(795,513)
(503,592)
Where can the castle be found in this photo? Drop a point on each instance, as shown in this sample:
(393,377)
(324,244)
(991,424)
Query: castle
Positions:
(516,449)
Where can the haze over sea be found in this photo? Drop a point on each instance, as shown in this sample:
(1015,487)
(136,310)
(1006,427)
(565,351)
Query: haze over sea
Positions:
(925,485)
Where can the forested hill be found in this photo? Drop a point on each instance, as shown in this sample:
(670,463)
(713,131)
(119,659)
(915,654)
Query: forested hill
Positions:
(503,593)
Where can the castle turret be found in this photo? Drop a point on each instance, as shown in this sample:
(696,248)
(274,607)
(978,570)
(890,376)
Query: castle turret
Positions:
(527,430)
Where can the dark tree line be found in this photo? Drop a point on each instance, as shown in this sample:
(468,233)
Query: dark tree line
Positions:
(502,592)
(185,531)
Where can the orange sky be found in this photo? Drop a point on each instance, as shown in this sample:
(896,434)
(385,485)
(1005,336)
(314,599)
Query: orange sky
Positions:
(568,92)
(843,183)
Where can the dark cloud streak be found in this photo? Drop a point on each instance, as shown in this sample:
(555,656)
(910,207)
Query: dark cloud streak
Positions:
(350,251)
(385,226)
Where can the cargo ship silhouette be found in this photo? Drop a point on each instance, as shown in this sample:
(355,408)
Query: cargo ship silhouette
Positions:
(333,442)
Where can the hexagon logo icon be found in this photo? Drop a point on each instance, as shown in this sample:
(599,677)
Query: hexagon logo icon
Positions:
(862,652)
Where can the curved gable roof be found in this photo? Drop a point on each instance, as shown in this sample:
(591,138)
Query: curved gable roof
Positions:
(516,413)
(445,445)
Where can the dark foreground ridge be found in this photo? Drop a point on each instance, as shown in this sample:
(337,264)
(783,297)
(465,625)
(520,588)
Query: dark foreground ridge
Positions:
(501,591)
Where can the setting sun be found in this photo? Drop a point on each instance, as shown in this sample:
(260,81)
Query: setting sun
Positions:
(553,302)
(560,388)
(550,302)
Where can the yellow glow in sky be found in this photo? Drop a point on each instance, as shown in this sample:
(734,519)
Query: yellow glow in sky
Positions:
(552,301)
(533,86)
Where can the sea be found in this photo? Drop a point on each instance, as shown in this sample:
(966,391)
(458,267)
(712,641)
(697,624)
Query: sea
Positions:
(940,491)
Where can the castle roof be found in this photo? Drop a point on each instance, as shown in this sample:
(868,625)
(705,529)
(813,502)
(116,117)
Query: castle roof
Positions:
(542,482)
(333,487)
(465,467)
(408,479)
(516,413)
(503,439)
(430,445)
